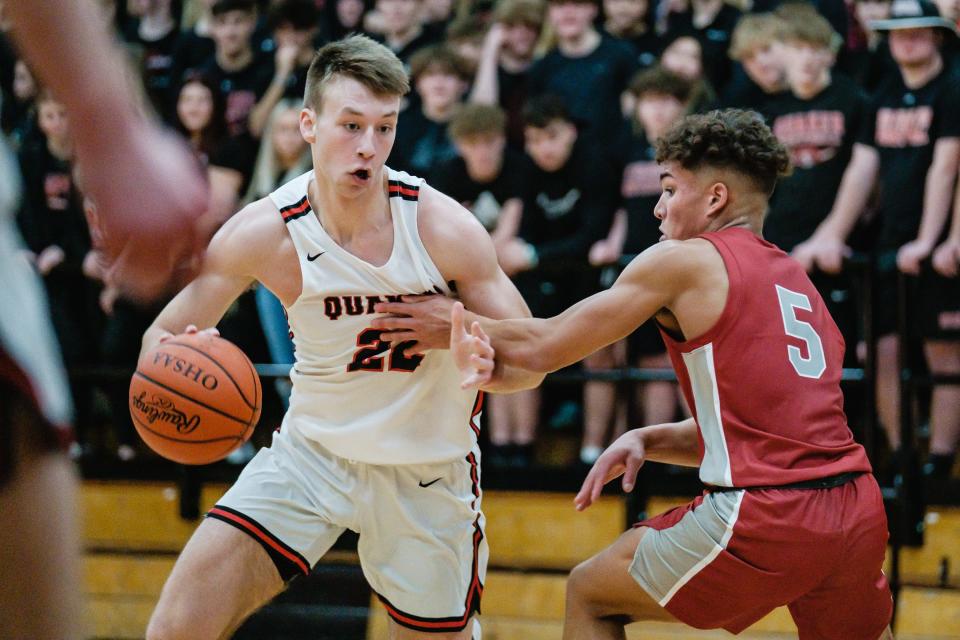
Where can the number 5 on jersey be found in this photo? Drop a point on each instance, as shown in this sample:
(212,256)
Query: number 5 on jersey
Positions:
(368,356)
(815,363)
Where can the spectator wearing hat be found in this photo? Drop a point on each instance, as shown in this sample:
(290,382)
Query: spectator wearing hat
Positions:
(915,138)
(866,58)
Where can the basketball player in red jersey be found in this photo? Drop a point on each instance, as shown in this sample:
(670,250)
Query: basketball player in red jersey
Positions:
(791,515)
(126,160)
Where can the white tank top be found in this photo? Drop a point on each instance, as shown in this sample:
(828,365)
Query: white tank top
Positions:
(354,395)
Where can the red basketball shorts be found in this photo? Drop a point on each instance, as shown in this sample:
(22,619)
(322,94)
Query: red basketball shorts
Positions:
(727,559)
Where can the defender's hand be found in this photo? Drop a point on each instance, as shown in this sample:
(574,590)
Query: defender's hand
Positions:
(623,458)
(472,352)
(423,319)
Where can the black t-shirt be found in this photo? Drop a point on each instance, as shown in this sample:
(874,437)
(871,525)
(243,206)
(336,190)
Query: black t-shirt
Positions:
(590,85)
(714,41)
(640,191)
(52,211)
(906,126)
(743,93)
(566,211)
(869,68)
(156,64)
(421,145)
(241,89)
(191,52)
(485,200)
(427,36)
(238,153)
(819,134)
(514,89)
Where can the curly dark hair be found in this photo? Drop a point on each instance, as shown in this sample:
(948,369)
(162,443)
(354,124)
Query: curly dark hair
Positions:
(730,139)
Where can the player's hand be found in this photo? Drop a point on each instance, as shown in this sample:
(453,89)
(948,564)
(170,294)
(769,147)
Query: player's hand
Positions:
(190,330)
(472,352)
(946,258)
(622,458)
(149,190)
(825,253)
(911,255)
(423,319)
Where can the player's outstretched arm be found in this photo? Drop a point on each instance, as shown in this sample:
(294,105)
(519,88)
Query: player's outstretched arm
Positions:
(651,282)
(229,269)
(464,253)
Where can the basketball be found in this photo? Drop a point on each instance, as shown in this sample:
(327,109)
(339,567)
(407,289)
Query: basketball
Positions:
(195,398)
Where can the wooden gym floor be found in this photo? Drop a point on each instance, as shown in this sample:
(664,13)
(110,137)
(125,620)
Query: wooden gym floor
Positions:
(132,533)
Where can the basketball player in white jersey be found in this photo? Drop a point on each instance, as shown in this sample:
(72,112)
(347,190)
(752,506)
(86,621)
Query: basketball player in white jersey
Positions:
(125,158)
(378,438)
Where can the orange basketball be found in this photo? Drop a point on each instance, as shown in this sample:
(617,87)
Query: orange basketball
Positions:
(195,398)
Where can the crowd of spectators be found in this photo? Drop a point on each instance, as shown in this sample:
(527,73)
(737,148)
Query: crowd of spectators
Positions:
(540,117)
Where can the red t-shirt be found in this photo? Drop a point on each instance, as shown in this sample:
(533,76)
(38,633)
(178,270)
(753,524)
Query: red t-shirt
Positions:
(764,381)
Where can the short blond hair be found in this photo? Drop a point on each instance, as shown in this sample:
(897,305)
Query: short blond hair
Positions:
(361,58)
(755,31)
(803,23)
(514,12)
(474,120)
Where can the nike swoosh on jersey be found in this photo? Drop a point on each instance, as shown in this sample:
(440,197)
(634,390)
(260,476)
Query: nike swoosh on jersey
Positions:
(311,258)
(429,483)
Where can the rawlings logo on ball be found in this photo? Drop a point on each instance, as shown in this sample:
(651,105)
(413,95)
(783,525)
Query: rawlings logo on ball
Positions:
(162,408)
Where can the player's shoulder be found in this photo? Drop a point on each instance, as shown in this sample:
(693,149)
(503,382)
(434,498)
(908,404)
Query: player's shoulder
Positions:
(441,217)
(451,234)
(677,260)
(251,233)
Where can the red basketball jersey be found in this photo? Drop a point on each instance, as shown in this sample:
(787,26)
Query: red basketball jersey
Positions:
(764,381)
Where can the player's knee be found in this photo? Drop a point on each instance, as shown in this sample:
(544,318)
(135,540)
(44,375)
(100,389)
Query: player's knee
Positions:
(580,585)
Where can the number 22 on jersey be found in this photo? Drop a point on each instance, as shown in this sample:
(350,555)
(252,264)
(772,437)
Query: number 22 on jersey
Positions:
(368,356)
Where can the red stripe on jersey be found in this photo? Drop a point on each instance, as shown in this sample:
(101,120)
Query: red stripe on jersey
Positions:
(295,211)
(396,188)
(477,408)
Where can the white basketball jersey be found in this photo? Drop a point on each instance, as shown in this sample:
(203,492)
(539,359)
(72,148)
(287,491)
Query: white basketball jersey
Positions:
(357,396)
